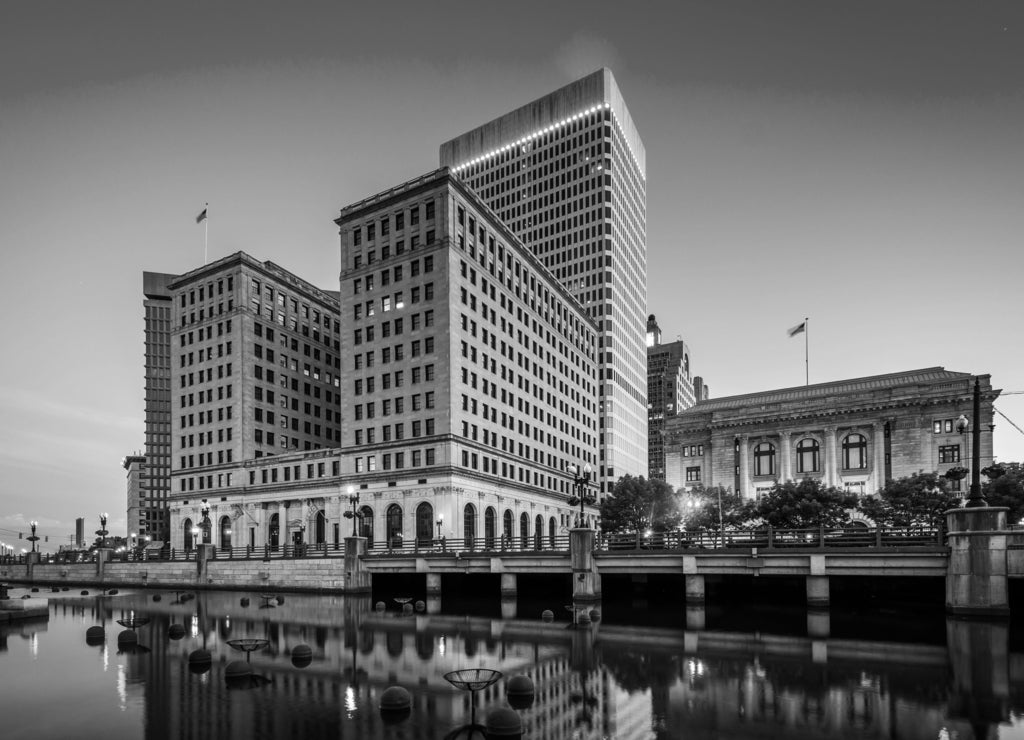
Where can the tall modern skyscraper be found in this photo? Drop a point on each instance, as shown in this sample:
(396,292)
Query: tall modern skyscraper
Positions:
(567,174)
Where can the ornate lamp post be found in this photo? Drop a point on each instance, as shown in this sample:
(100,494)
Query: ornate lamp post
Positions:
(206,523)
(581,490)
(440,523)
(354,515)
(33,539)
(102,531)
(975,498)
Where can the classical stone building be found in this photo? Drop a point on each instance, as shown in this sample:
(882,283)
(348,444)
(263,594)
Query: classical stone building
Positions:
(855,434)
(567,173)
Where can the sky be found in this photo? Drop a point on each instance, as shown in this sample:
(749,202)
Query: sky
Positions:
(857,163)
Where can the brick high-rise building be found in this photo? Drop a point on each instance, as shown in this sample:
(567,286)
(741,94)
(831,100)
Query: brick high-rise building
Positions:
(670,389)
(150,515)
(567,174)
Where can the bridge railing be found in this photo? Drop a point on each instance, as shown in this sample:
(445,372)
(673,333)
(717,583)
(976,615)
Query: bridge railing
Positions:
(771,538)
(471,545)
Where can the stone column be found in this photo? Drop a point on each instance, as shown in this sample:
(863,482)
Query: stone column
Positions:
(205,552)
(744,466)
(357,580)
(786,463)
(102,558)
(694,589)
(878,458)
(831,477)
(586,581)
(976,581)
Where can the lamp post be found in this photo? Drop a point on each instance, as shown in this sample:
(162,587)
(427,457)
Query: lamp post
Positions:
(353,500)
(975,498)
(581,490)
(195,536)
(206,524)
(102,532)
(33,539)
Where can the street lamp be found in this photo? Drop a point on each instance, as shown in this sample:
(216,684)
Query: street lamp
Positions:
(33,539)
(353,500)
(975,498)
(206,524)
(102,532)
(581,490)
(440,523)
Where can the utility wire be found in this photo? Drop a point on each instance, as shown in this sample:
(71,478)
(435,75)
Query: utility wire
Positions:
(1008,419)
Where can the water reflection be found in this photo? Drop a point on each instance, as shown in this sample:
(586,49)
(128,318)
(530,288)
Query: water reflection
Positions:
(605,679)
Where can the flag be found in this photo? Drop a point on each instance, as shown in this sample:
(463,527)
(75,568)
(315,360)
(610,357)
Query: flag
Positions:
(798,329)
(201,217)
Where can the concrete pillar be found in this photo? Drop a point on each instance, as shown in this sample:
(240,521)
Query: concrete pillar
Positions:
(509,586)
(817,590)
(831,471)
(786,461)
(694,589)
(877,458)
(586,581)
(976,582)
(31,560)
(205,552)
(102,558)
(696,617)
(745,467)
(979,657)
(357,580)
(819,623)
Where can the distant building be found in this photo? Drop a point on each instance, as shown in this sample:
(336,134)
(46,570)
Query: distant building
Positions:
(80,532)
(701,391)
(855,434)
(670,389)
(151,516)
(567,174)
(135,464)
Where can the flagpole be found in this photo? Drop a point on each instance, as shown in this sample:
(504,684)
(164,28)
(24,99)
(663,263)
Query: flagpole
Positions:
(807,360)
(206,235)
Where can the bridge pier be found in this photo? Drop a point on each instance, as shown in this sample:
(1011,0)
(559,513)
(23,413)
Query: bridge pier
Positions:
(817,591)
(586,581)
(509,607)
(357,580)
(695,589)
(819,624)
(509,583)
(434,585)
(976,580)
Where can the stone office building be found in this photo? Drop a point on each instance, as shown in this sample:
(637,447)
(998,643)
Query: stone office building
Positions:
(854,434)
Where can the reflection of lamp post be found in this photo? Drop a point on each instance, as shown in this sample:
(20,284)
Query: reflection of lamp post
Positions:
(581,490)
(353,500)
(206,523)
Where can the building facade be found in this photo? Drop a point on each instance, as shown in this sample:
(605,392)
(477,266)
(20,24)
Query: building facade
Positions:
(567,174)
(854,434)
(134,465)
(151,516)
(670,389)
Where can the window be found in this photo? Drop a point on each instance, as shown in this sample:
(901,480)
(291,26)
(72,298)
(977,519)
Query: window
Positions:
(764,459)
(949,453)
(855,452)
(807,460)
(692,474)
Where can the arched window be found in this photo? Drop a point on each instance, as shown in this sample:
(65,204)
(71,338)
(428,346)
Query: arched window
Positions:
(764,459)
(524,531)
(424,524)
(225,533)
(538,532)
(490,527)
(366,525)
(855,452)
(506,534)
(394,525)
(469,525)
(190,542)
(274,532)
(552,531)
(807,460)
(320,528)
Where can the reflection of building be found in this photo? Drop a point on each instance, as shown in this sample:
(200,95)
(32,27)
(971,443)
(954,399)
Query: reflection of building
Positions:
(567,174)
(855,434)
(670,389)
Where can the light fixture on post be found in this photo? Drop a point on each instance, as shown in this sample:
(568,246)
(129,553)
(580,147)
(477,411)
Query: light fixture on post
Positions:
(354,515)
(440,523)
(33,539)
(975,498)
(581,490)
(206,523)
(102,531)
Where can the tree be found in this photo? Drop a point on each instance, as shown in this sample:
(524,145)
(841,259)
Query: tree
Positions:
(916,500)
(701,508)
(1006,489)
(803,504)
(637,504)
